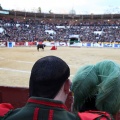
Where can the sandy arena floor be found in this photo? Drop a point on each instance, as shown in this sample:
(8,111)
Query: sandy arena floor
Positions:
(16,63)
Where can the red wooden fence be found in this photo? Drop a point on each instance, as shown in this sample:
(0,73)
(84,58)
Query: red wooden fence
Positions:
(18,97)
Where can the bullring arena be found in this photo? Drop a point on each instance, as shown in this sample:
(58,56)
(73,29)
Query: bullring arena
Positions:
(99,34)
(16,62)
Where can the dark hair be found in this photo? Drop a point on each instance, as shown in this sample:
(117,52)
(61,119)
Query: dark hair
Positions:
(89,104)
(47,77)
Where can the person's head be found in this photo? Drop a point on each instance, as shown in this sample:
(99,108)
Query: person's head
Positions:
(97,87)
(48,75)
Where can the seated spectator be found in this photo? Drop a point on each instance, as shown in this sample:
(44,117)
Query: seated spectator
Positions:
(97,87)
(48,91)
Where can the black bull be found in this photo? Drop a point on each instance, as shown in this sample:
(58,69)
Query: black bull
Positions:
(40,46)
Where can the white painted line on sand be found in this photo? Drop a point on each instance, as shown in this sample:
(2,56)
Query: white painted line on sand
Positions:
(22,71)
(14,70)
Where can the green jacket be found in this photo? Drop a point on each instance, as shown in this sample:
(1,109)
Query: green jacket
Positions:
(42,109)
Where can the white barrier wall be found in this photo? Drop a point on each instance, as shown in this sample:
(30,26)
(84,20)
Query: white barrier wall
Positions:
(95,45)
(114,45)
(26,43)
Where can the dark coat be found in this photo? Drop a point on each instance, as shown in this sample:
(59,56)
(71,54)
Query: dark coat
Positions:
(42,109)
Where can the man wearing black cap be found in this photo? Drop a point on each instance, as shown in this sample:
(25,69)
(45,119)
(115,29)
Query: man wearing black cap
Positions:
(48,91)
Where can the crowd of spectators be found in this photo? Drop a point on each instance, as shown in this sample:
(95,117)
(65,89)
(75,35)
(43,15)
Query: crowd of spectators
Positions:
(34,30)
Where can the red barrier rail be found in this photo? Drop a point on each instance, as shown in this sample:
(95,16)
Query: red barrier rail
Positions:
(18,97)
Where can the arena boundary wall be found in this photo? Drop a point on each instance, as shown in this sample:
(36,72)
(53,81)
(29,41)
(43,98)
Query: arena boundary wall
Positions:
(18,97)
(60,44)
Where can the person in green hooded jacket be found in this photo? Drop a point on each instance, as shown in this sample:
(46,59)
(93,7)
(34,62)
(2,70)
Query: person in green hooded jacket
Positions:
(97,87)
(48,90)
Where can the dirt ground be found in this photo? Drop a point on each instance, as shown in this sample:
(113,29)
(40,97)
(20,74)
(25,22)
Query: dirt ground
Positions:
(16,62)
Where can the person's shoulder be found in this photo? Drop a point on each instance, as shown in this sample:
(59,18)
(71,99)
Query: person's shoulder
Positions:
(95,115)
(5,110)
